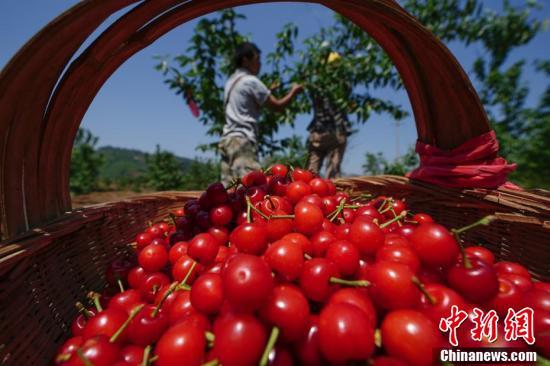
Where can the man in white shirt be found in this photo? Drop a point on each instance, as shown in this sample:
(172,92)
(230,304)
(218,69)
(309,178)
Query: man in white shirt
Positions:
(244,97)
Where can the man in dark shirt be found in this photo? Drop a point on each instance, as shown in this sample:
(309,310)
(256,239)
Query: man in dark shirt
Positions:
(328,135)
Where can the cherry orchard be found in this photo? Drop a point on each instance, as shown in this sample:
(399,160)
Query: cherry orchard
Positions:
(282,268)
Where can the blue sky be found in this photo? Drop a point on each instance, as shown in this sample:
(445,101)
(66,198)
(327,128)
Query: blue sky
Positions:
(135,109)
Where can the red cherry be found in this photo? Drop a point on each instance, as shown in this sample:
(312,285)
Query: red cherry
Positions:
(329,204)
(207,293)
(345,256)
(220,233)
(254,178)
(399,254)
(153,258)
(136,277)
(356,297)
(299,174)
(301,240)
(434,245)
(240,340)
(181,268)
(478,284)
(410,336)
(203,248)
(392,286)
(508,296)
(152,283)
(106,323)
(422,218)
(177,251)
(247,281)
(511,267)
(522,283)
(287,308)
(320,243)
(132,355)
(221,215)
(68,348)
(482,253)
(126,300)
(181,342)
(369,212)
(444,298)
(319,186)
(296,190)
(279,170)
(98,351)
(147,327)
(345,333)
(366,236)
(537,299)
(307,349)
(250,238)
(286,259)
(143,239)
(314,199)
(278,227)
(315,277)
(308,218)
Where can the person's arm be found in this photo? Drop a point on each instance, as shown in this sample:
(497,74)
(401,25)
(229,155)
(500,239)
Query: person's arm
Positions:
(278,105)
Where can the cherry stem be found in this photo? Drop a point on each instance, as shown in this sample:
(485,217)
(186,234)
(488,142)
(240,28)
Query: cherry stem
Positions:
(456,232)
(173,217)
(251,206)
(233,184)
(270,344)
(333,215)
(395,215)
(484,221)
(378,337)
(361,196)
(120,285)
(95,298)
(83,310)
(214,362)
(352,206)
(396,218)
(83,358)
(355,283)
(210,337)
(63,357)
(183,284)
(124,325)
(248,209)
(422,289)
(146,354)
(161,302)
(382,208)
(282,216)
(465,259)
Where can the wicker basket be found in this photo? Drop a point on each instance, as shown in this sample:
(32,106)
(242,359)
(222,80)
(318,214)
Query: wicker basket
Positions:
(51,256)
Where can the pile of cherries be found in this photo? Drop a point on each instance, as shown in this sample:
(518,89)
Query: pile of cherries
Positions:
(283,269)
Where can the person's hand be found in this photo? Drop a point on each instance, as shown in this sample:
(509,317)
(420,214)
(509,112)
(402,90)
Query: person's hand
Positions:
(296,88)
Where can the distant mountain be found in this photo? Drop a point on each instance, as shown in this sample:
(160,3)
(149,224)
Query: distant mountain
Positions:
(127,163)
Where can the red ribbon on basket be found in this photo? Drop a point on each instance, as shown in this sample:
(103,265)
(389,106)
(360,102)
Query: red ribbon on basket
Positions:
(475,163)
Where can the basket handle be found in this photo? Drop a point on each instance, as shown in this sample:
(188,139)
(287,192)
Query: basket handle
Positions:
(41,107)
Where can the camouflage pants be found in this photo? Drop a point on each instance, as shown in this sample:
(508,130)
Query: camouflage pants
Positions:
(238,157)
(326,145)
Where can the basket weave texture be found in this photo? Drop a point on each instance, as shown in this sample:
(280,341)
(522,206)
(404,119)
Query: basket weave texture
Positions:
(44,272)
